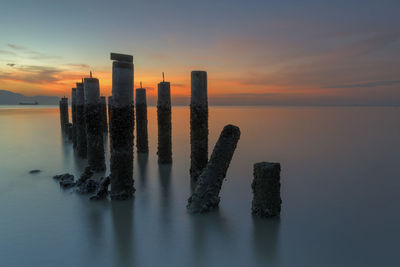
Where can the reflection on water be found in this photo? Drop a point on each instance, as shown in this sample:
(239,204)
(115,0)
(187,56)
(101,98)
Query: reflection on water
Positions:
(206,227)
(165,181)
(265,240)
(142,159)
(122,219)
(339,169)
(66,150)
(166,198)
(94,216)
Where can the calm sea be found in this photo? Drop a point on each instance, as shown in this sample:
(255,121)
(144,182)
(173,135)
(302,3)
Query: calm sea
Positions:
(340,191)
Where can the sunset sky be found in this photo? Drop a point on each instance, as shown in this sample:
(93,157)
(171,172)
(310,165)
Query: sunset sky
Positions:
(255,52)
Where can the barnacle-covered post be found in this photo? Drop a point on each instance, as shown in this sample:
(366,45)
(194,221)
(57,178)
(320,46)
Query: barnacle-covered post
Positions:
(94,125)
(64,116)
(198,123)
(209,183)
(266,189)
(164,122)
(73,108)
(142,143)
(81,138)
(103,110)
(122,124)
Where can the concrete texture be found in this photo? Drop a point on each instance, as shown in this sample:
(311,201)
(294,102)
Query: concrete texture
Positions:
(94,131)
(73,108)
(164,123)
(198,92)
(103,111)
(198,124)
(206,193)
(121,162)
(102,189)
(64,116)
(121,128)
(66,180)
(142,143)
(266,189)
(81,138)
(69,129)
(122,78)
(88,173)
(109,112)
(121,57)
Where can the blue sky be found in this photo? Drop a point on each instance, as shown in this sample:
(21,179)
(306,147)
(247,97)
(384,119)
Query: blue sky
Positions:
(315,52)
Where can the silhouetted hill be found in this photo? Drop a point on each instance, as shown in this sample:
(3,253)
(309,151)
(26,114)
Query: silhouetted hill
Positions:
(10,98)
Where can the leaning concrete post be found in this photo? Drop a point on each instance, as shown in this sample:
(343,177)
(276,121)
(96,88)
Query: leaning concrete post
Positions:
(142,143)
(94,131)
(206,193)
(81,139)
(266,189)
(121,133)
(73,107)
(103,110)
(198,123)
(64,118)
(164,123)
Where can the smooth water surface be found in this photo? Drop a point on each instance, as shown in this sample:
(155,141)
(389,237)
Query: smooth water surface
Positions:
(340,191)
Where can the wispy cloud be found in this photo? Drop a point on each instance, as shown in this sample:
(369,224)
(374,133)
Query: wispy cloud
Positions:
(77,65)
(339,67)
(361,47)
(17,47)
(32,54)
(5,52)
(32,74)
(366,84)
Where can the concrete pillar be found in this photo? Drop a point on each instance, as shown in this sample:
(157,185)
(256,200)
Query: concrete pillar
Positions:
(94,125)
(73,107)
(206,193)
(81,139)
(64,116)
(198,123)
(142,143)
(164,123)
(68,129)
(266,189)
(121,133)
(103,110)
(109,112)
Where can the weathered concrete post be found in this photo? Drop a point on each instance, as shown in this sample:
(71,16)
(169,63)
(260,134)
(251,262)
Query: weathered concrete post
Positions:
(109,112)
(206,193)
(64,116)
(198,123)
(81,139)
(103,110)
(164,123)
(68,129)
(73,107)
(121,133)
(94,131)
(142,143)
(266,189)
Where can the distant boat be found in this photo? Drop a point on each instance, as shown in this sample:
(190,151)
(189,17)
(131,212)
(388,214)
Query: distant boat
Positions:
(27,103)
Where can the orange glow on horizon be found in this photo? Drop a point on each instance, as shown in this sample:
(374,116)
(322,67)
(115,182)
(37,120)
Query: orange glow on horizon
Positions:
(180,86)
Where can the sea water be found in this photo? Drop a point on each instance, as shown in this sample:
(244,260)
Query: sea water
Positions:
(340,191)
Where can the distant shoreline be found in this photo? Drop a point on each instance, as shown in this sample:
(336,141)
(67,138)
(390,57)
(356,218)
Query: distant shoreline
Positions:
(248,106)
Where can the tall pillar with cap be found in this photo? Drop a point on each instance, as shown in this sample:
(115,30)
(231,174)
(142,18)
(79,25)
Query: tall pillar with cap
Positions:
(121,130)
